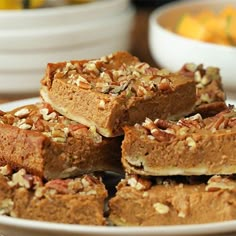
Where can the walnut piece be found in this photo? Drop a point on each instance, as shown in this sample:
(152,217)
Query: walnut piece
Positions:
(20,178)
(138,183)
(159,133)
(6,206)
(217,183)
(161,208)
(5,170)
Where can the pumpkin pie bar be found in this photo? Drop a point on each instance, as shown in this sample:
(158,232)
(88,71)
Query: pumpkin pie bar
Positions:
(47,144)
(73,201)
(190,146)
(209,89)
(115,90)
(169,202)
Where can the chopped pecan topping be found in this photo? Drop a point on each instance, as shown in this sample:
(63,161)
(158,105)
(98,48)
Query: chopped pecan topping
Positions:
(163,124)
(182,214)
(22,179)
(223,120)
(47,115)
(75,127)
(5,170)
(160,133)
(108,76)
(59,185)
(206,80)
(217,183)
(43,118)
(84,186)
(101,104)
(161,208)
(195,121)
(138,183)
(191,143)
(165,85)
(6,206)
(220,123)
(96,136)
(22,112)
(145,194)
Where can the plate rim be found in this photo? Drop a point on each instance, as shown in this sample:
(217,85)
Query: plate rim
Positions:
(194,229)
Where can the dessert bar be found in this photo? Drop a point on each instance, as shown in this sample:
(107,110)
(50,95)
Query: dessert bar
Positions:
(163,201)
(73,201)
(115,90)
(190,146)
(47,144)
(209,89)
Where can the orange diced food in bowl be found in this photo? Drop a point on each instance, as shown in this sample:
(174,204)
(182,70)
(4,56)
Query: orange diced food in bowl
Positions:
(189,26)
(209,26)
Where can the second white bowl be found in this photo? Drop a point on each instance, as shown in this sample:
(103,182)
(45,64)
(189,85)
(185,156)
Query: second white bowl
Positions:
(171,51)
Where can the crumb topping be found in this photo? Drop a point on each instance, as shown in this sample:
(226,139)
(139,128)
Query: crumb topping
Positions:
(217,182)
(206,80)
(43,118)
(106,76)
(212,183)
(161,208)
(85,185)
(166,131)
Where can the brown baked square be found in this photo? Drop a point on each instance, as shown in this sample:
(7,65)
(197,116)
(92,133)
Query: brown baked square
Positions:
(116,90)
(73,201)
(209,89)
(190,146)
(45,143)
(168,201)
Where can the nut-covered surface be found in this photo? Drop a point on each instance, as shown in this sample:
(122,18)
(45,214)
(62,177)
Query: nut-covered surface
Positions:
(115,90)
(209,88)
(73,201)
(190,146)
(46,143)
(173,201)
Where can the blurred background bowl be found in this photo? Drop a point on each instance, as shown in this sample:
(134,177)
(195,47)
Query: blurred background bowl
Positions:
(31,38)
(171,51)
(61,15)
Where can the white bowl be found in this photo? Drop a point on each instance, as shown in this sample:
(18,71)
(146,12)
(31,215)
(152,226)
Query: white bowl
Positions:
(28,80)
(22,74)
(171,51)
(26,52)
(63,15)
(32,60)
(65,36)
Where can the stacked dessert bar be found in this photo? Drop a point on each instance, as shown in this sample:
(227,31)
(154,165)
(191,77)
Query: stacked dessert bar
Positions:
(170,133)
(181,172)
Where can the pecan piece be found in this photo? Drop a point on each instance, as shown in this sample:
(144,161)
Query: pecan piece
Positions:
(159,134)
(139,183)
(61,186)
(217,183)
(165,85)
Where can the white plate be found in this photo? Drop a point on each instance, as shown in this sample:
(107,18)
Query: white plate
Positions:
(12,105)
(20,227)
